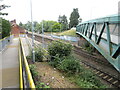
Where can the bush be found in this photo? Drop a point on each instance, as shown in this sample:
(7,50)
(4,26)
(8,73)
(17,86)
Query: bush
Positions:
(56,61)
(60,48)
(70,65)
(39,55)
(89,47)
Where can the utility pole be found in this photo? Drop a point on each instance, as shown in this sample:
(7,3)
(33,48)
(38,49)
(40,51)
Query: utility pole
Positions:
(42,35)
(33,51)
(51,28)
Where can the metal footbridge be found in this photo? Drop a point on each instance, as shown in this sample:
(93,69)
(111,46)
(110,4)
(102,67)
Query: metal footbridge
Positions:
(103,34)
(15,71)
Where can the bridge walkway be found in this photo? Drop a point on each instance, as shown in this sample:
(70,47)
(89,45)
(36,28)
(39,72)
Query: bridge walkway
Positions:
(10,64)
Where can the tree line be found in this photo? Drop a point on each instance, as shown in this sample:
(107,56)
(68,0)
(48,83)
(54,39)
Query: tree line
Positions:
(5,27)
(55,26)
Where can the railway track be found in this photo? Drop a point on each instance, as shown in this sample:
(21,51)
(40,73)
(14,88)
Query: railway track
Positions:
(112,80)
(105,76)
(89,56)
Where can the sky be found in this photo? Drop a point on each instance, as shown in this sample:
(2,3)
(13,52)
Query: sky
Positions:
(51,9)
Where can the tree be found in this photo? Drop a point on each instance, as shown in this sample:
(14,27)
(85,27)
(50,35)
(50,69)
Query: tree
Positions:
(27,26)
(63,21)
(20,24)
(3,7)
(6,28)
(56,27)
(74,18)
(60,19)
(47,25)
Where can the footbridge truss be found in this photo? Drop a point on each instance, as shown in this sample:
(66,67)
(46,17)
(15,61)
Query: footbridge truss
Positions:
(104,35)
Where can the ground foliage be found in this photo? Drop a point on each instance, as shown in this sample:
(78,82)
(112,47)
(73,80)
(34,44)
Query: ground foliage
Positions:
(36,78)
(71,67)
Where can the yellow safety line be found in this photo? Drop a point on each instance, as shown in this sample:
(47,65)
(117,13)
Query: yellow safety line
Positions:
(12,46)
(31,82)
(20,68)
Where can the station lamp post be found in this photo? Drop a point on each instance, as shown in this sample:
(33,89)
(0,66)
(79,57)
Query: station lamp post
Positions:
(33,51)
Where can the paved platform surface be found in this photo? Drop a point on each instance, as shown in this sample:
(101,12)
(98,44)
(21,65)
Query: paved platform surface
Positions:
(10,65)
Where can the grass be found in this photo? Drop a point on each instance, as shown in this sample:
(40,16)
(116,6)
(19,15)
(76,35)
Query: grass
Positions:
(69,33)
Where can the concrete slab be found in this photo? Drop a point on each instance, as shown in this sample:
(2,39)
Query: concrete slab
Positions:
(25,46)
(10,65)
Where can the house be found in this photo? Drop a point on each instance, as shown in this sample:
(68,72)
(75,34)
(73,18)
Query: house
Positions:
(16,29)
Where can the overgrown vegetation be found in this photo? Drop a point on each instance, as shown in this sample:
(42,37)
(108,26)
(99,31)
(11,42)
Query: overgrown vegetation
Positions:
(89,47)
(36,78)
(38,55)
(59,48)
(71,67)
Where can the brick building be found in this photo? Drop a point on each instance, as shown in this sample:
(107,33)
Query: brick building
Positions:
(16,30)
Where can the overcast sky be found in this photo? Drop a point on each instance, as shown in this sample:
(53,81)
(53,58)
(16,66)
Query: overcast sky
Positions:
(51,9)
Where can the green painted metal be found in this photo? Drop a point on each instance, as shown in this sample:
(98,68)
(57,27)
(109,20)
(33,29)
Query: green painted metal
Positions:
(116,52)
(108,37)
(102,38)
(91,31)
(95,33)
(111,19)
(99,38)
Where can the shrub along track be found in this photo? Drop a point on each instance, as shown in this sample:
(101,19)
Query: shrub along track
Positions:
(100,66)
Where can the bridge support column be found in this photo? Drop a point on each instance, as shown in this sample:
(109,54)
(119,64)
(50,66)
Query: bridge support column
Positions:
(81,41)
(84,43)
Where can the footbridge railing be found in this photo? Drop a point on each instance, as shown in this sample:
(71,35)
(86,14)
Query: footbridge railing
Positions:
(26,80)
(5,41)
(103,34)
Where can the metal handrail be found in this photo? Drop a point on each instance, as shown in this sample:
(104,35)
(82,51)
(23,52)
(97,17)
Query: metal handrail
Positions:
(29,76)
(20,69)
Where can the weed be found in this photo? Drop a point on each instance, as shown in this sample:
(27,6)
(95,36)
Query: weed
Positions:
(38,84)
(41,85)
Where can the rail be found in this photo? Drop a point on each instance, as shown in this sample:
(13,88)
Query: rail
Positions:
(26,80)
